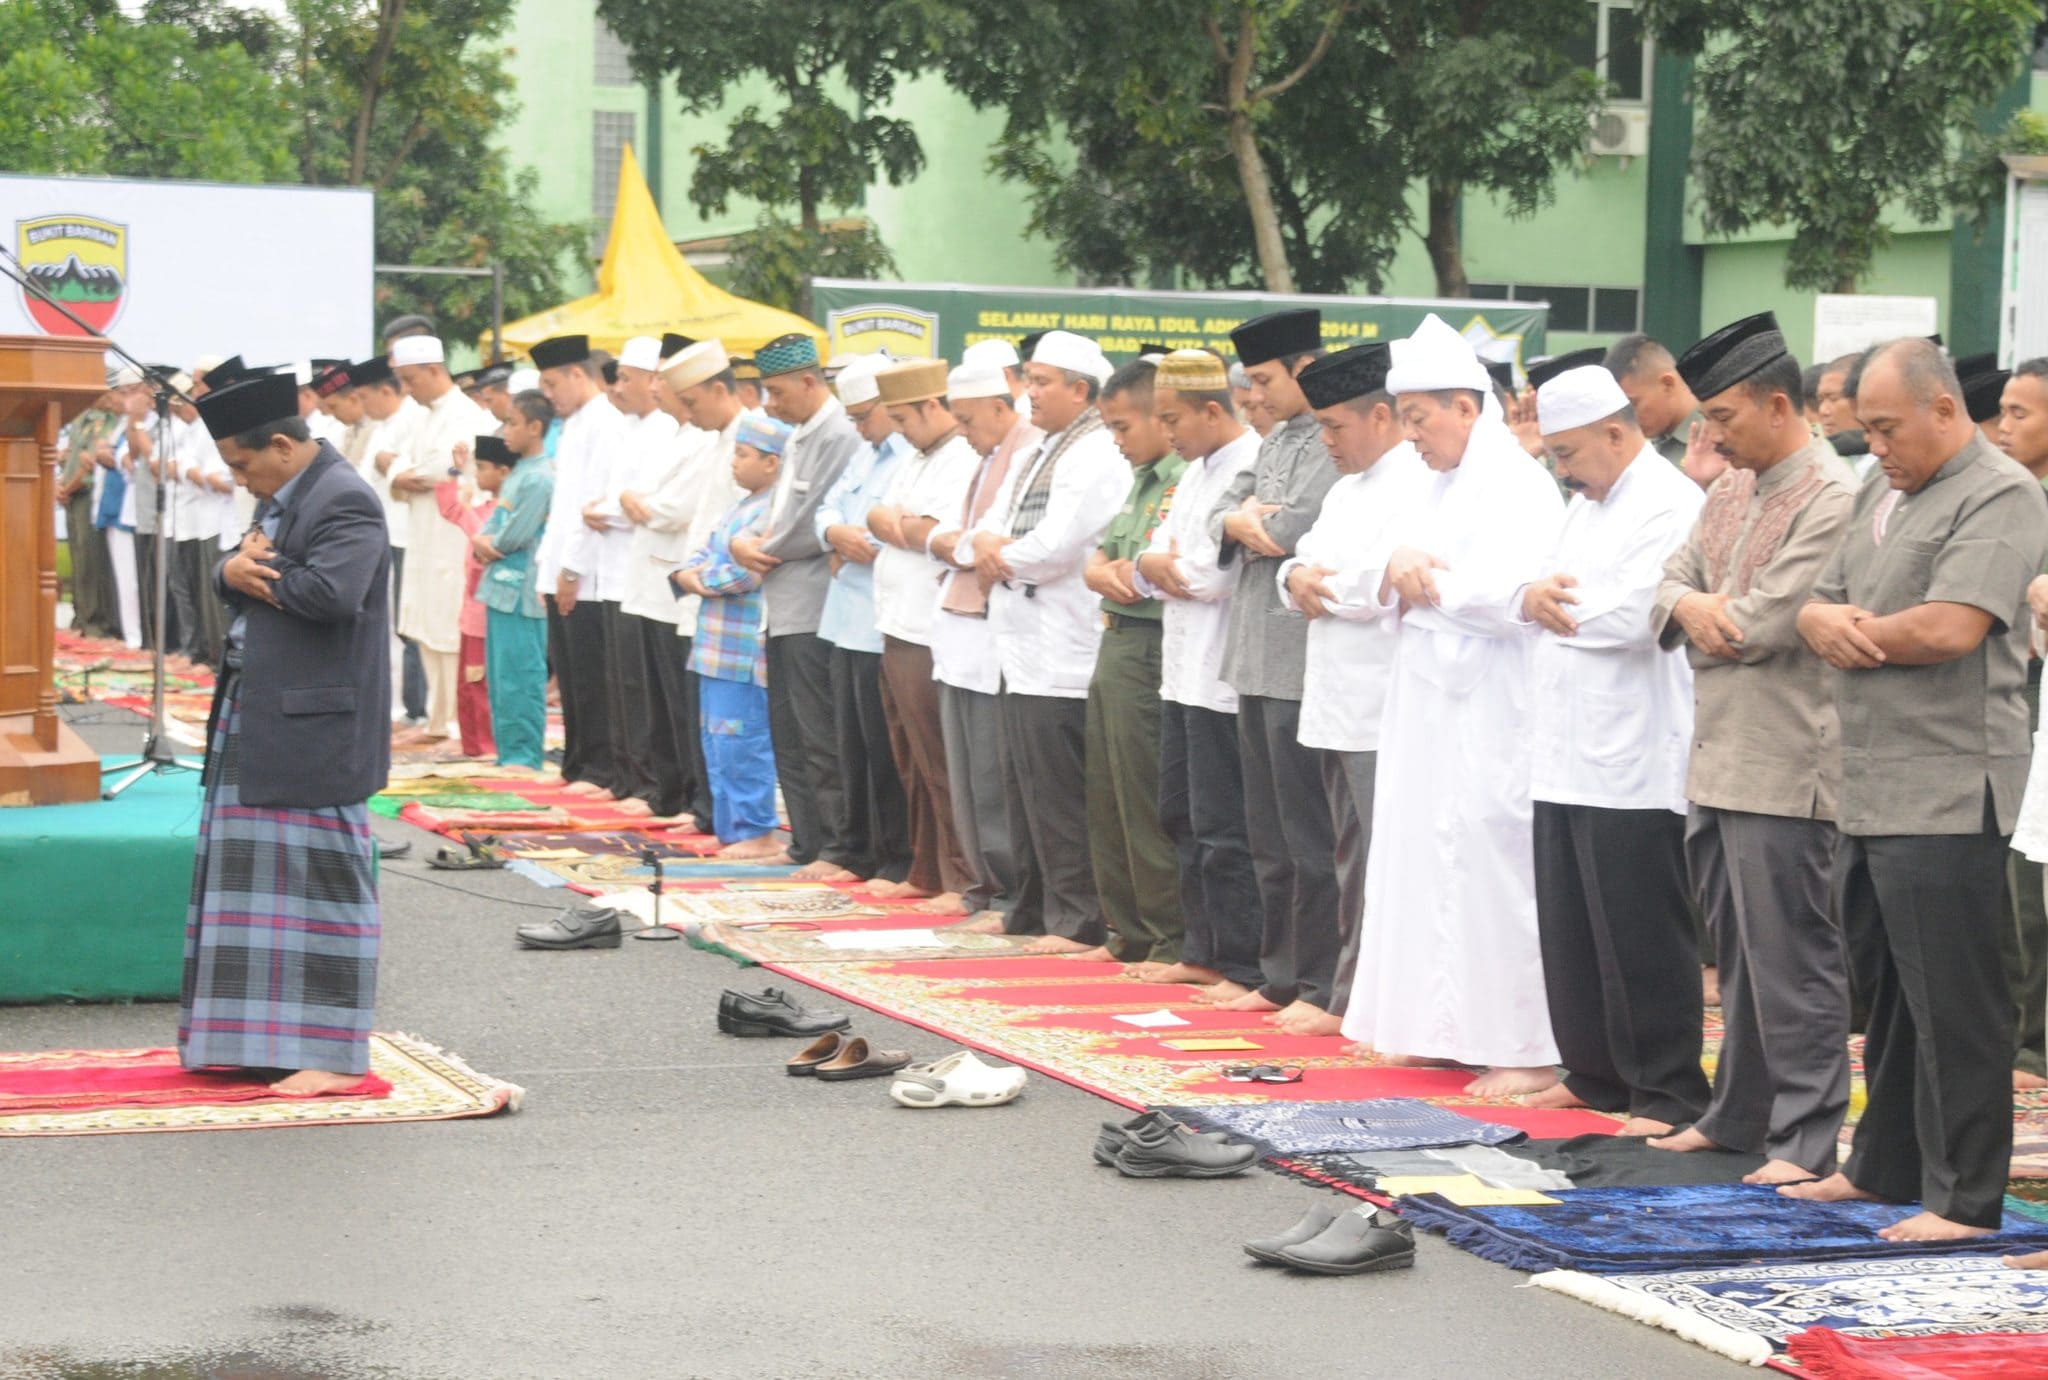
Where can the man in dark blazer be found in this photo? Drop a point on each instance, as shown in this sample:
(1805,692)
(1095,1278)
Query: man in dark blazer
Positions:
(282,937)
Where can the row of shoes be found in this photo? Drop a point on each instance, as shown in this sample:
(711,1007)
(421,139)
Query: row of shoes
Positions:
(1334,1239)
(837,1055)
(1155,1146)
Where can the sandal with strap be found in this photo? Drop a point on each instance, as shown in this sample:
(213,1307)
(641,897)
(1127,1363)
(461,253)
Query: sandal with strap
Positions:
(479,854)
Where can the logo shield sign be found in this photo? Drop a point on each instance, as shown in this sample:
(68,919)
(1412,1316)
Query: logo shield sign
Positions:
(82,262)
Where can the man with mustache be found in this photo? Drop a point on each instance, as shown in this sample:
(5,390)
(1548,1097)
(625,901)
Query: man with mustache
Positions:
(1766,756)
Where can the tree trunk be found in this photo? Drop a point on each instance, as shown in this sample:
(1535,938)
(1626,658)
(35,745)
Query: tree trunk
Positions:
(307,170)
(807,200)
(1445,239)
(389,12)
(1258,199)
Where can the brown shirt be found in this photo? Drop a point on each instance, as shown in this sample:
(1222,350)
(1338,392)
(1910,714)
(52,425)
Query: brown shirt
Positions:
(1764,738)
(1922,744)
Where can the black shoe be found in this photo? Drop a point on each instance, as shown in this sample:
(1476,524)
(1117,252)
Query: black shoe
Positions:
(1266,1249)
(596,928)
(1361,1241)
(1157,1148)
(1115,1135)
(773,1011)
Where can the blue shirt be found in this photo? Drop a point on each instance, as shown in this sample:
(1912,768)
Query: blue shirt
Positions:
(729,644)
(113,490)
(848,619)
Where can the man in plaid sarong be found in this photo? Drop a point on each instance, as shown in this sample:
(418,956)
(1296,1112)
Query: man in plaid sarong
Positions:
(281,940)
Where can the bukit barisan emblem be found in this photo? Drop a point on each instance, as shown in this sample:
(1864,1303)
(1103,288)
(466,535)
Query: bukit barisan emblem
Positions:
(82,262)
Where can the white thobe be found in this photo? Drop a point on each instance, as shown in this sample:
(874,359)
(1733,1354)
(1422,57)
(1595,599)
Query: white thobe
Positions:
(394,434)
(1192,629)
(718,493)
(1611,723)
(592,437)
(925,484)
(326,428)
(195,505)
(668,474)
(430,605)
(1047,623)
(1349,662)
(1449,966)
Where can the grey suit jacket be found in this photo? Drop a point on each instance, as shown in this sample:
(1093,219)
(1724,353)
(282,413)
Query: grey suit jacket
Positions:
(316,671)
(795,590)
(1265,644)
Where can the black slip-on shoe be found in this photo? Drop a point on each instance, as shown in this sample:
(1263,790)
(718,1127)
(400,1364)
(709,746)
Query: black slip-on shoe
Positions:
(1362,1241)
(773,1012)
(1266,1249)
(1167,1150)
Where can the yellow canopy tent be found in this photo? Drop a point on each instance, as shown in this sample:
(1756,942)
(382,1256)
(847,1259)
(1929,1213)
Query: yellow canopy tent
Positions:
(644,287)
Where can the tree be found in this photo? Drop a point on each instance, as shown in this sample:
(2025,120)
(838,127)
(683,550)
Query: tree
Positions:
(1884,96)
(819,143)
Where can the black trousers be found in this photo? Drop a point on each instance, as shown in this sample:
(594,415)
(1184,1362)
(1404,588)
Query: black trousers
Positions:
(576,649)
(148,551)
(631,705)
(801,727)
(1201,806)
(1294,852)
(876,833)
(1045,784)
(1620,965)
(666,708)
(412,680)
(1922,915)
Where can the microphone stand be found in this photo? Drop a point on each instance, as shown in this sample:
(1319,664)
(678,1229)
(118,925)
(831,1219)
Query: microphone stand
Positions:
(157,756)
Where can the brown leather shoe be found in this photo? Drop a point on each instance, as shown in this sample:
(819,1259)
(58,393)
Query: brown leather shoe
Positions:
(821,1051)
(856,1060)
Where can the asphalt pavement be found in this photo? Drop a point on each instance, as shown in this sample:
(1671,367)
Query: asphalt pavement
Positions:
(670,1205)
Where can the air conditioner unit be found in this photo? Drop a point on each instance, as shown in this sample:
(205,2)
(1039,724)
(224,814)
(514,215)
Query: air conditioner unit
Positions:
(1620,131)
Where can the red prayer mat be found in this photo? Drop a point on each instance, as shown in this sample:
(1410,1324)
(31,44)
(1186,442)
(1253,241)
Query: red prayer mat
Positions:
(561,811)
(75,1080)
(1821,1351)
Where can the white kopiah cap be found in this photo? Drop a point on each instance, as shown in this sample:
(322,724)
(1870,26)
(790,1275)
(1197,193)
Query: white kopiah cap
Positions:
(856,383)
(641,352)
(1075,353)
(417,349)
(976,381)
(1436,357)
(523,381)
(989,354)
(1578,397)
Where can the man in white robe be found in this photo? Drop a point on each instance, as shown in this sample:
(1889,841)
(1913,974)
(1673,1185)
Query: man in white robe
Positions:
(1448,965)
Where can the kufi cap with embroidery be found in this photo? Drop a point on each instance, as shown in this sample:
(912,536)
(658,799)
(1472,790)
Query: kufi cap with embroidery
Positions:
(641,352)
(1549,367)
(1732,354)
(424,325)
(523,381)
(673,344)
(990,354)
(249,404)
(1077,354)
(417,349)
(785,355)
(1983,385)
(762,432)
(856,384)
(694,363)
(1191,371)
(493,449)
(1347,374)
(1436,358)
(976,381)
(1277,335)
(375,369)
(917,380)
(333,379)
(1578,397)
(559,350)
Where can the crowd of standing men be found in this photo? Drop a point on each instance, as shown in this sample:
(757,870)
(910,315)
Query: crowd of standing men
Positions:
(1362,690)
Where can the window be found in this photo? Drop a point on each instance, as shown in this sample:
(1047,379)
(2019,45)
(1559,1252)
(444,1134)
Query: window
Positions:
(1573,307)
(614,66)
(610,132)
(1611,43)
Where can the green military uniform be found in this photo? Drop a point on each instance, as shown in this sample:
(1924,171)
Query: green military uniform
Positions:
(1136,870)
(1672,444)
(95,606)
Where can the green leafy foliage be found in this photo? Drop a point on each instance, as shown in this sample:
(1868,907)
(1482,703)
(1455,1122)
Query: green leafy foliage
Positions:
(773,261)
(1820,115)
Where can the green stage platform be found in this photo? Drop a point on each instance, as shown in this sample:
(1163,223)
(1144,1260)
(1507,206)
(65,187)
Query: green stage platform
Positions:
(92,896)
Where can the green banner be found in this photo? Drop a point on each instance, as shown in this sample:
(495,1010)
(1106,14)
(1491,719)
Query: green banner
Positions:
(926,320)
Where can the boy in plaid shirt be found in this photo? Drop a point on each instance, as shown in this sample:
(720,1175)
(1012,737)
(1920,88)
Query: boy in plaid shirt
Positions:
(729,654)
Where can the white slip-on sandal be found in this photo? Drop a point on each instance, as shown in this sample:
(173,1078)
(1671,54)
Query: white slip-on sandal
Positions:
(958,1080)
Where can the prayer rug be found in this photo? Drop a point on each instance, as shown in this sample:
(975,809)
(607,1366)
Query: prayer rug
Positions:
(102,1092)
(1746,1312)
(545,807)
(1321,1128)
(1643,1230)
(899,935)
(1832,1355)
(1059,1017)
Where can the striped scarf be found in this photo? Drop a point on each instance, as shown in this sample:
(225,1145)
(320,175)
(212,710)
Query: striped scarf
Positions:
(1032,495)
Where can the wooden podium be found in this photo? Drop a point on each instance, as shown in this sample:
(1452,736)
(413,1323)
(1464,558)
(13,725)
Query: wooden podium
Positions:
(44,382)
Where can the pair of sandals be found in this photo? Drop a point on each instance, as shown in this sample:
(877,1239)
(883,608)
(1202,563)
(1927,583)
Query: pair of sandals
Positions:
(479,853)
(839,1057)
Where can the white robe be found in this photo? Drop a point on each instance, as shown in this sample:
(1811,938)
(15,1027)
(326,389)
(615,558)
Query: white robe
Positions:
(1449,966)
(430,605)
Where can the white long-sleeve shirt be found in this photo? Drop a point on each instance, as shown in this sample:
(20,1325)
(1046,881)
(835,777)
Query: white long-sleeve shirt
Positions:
(669,477)
(925,485)
(1350,655)
(1192,629)
(1611,713)
(593,436)
(393,433)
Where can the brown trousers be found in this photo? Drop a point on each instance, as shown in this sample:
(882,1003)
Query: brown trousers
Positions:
(910,699)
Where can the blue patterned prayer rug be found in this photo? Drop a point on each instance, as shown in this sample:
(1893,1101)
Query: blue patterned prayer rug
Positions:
(1747,1312)
(1311,1128)
(1630,1230)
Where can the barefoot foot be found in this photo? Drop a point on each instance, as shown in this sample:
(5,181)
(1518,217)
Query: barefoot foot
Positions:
(1641,1127)
(1511,1082)
(1218,992)
(1057,944)
(1685,1142)
(1710,986)
(1250,1001)
(981,922)
(2038,1260)
(945,903)
(1295,1008)
(2022,1081)
(314,1082)
(1560,1097)
(1310,1020)
(761,848)
(818,870)
(1780,1172)
(1926,1226)
(635,807)
(1835,1188)
(1099,954)
(1177,972)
